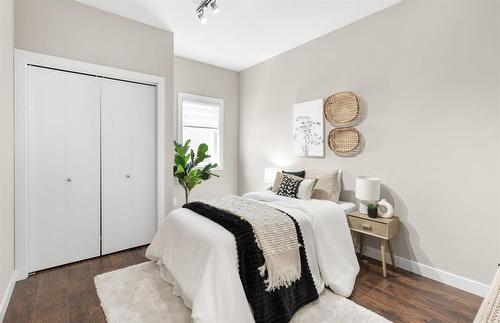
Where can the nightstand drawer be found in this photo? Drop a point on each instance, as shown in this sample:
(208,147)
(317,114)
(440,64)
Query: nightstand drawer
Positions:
(370,227)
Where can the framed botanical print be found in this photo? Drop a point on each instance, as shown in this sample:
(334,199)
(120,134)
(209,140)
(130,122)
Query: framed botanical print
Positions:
(308,129)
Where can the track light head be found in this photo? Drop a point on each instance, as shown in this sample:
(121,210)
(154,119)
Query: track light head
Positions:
(201,16)
(215,7)
(200,12)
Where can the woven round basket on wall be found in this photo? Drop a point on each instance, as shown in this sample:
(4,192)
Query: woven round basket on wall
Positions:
(344,140)
(341,108)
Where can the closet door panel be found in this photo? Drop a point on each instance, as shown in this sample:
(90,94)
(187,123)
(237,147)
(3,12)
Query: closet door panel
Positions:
(143,164)
(116,158)
(46,168)
(83,167)
(128,165)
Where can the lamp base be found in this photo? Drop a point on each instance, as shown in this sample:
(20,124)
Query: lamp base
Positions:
(363,207)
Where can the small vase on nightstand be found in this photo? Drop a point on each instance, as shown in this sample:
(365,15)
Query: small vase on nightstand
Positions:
(372,210)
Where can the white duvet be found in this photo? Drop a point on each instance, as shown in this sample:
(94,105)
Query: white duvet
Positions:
(198,257)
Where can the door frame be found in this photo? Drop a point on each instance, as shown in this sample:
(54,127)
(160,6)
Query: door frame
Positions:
(22,59)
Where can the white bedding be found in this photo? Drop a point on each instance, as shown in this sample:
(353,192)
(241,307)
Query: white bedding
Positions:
(199,257)
(347,206)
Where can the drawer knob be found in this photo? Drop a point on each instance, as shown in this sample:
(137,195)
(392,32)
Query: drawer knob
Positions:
(366,226)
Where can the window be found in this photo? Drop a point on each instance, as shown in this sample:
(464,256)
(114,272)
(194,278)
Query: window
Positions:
(200,119)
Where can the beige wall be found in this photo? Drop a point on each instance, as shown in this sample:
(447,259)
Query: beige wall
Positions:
(72,30)
(428,73)
(207,80)
(6,144)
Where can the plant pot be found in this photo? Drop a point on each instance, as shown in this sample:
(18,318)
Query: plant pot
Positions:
(372,213)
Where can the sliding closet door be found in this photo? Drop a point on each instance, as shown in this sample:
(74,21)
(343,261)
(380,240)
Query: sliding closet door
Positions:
(128,165)
(63,167)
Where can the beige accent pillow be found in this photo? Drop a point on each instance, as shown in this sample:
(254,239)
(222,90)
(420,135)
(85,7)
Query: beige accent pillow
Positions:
(329,184)
(277,181)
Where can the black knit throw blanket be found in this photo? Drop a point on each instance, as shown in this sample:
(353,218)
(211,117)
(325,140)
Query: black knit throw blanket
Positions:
(269,307)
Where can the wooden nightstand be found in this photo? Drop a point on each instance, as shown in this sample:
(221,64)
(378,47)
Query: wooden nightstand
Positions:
(381,228)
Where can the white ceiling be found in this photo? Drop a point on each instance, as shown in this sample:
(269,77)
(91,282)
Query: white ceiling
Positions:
(244,32)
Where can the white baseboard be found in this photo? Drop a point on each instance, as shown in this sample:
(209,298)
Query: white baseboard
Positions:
(439,275)
(6,295)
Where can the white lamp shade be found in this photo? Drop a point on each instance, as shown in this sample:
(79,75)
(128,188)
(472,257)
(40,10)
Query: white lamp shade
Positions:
(367,188)
(270,174)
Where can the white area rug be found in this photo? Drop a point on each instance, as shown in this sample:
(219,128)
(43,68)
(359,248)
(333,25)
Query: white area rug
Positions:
(137,294)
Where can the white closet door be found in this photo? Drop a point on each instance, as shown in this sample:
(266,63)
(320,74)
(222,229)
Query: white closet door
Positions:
(83,193)
(63,167)
(143,164)
(128,165)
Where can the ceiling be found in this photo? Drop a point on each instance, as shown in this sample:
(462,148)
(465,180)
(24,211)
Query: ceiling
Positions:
(244,32)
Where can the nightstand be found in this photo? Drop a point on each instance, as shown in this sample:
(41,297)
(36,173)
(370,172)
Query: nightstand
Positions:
(381,228)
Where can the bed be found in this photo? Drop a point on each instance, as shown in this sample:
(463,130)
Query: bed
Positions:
(199,258)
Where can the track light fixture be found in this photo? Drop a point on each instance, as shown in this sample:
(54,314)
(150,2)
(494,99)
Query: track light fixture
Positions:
(215,7)
(201,10)
(201,16)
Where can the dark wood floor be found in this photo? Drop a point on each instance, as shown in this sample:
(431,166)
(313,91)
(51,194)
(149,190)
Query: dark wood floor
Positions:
(67,294)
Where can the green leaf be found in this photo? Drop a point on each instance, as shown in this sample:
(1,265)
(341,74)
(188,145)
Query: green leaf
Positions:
(182,149)
(179,170)
(179,160)
(202,149)
(201,155)
(206,172)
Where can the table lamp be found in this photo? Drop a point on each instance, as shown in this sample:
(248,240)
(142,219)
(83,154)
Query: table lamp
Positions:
(367,191)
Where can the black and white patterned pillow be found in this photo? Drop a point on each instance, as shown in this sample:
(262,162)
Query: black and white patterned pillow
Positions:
(289,186)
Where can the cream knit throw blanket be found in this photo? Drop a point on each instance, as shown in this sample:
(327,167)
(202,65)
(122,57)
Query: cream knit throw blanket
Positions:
(275,235)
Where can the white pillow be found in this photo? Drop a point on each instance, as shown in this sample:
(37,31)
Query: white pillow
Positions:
(306,188)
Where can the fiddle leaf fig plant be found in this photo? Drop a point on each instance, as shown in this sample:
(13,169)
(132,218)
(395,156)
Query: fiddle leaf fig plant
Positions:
(187,166)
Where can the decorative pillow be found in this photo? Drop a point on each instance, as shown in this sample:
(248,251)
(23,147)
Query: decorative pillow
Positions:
(277,181)
(306,188)
(279,178)
(328,186)
(289,186)
(300,173)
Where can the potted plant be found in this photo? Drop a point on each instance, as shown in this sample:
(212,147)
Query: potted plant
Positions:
(372,210)
(187,168)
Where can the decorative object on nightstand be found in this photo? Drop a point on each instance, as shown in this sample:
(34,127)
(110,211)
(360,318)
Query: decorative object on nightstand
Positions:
(385,210)
(384,229)
(367,191)
(269,176)
(372,210)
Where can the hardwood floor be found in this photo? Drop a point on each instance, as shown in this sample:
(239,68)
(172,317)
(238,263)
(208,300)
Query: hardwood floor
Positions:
(67,294)
(406,297)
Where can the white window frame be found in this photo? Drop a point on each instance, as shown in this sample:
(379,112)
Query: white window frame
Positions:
(181,96)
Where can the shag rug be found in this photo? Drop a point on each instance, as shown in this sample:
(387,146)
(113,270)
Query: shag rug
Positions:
(137,294)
